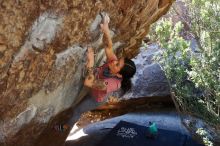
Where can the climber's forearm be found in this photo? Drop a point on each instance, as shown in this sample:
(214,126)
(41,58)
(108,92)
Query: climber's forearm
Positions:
(108,39)
(89,64)
(90,58)
(105,29)
(89,77)
(108,49)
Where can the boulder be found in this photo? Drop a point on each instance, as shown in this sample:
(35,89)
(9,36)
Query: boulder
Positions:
(150,79)
(42,54)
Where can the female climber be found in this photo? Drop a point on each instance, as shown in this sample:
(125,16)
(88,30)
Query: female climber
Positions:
(111,76)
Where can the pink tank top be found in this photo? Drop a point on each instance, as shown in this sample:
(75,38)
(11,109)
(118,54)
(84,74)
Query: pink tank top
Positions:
(112,84)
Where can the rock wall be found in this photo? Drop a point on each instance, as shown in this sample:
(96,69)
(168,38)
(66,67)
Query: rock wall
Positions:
(42,53)
(149,80)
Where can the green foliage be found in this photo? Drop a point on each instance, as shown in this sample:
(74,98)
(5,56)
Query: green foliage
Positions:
(205,73)
(204,136)
(205,19)
(194,76)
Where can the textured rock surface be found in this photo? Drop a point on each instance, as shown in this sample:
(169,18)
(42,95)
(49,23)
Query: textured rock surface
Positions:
(149,80)
(42,46)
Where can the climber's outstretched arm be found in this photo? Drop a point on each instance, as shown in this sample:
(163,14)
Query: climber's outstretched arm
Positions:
(90,80)
(108,49)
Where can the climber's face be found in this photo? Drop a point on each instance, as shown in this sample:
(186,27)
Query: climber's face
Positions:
(116,65)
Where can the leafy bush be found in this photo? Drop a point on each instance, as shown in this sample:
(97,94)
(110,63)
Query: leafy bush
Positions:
(194,76)
(204,136)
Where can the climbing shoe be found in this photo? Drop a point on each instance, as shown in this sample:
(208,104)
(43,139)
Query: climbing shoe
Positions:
(61,127)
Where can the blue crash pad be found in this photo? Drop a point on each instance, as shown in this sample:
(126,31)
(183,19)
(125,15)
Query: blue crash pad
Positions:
(130,134)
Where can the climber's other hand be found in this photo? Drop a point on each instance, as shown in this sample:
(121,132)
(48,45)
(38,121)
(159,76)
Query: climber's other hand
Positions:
(104,25)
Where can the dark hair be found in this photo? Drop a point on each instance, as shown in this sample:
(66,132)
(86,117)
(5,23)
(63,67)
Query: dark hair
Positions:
(127,73)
